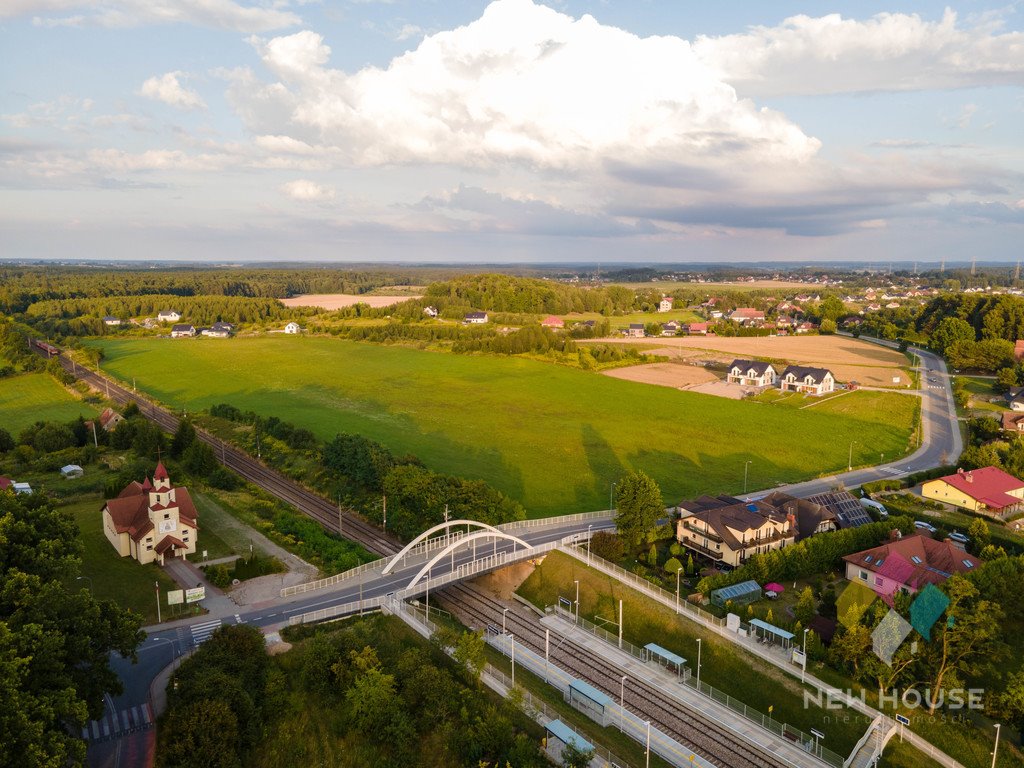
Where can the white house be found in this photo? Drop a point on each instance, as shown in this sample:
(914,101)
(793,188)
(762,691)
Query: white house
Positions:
(751,373)
(292,327)
(111,320)
(219,330)
(810,381)
(475,318)
(183,331)
(430,311)
(665,305)
(168,316)
(635,330)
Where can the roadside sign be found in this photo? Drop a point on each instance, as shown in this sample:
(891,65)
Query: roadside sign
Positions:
(195,595)
(817,734)
(175,597)
(902,719)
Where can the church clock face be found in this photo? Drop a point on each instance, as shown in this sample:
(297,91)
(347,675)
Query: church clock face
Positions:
(167,526)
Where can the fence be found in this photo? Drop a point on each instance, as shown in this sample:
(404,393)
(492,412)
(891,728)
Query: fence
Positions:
(555,522)
(339,611)
(330,581)
(789,732)
(630,724)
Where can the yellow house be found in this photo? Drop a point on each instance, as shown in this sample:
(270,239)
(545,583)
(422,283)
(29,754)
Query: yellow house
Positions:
(989,491)
(151,521)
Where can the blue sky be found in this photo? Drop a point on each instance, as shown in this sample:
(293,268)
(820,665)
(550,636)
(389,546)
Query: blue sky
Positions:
(221,130)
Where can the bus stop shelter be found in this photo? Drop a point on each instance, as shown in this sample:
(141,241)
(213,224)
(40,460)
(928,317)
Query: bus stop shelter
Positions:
(666,657)
(559,736)
(769,633)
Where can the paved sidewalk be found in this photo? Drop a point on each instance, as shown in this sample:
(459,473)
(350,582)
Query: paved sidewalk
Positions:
(189,576)
(671,685)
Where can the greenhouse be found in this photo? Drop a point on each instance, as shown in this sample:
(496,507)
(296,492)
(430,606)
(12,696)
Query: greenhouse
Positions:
(738,594)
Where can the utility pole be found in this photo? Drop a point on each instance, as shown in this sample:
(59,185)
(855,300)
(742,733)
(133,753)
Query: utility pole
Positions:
(974,266)
(384,505)
(1016,272)
(95,442)
(338,497)
(620,623)
(157,584)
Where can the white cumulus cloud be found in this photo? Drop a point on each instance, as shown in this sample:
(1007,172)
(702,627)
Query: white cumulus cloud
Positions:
(308,191)
(888,52)
(168,89)
(523,84)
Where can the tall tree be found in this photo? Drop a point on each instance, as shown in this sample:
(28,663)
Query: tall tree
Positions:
(639,505)
(950,331)
(54,643)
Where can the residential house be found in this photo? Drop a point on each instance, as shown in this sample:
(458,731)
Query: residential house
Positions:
(6,483)
(696,329)
(430,311)
(751,373)
(873,307)
(22,488)
(988,491)
(152,521)
(806,327)
(219,330)
(811,518)
(784,321)
(893,305)
(848,511)
(182,331)
(293,327)
(552,322)
(671,328)
(1018,349)
(716,315)
(907,564)
(747,316)
(1013,422)
(109,419)
(111,320)
(635,330)
(729,531)
(168,316)
(810,381)
(1015,398)
(665,305)
(475,318)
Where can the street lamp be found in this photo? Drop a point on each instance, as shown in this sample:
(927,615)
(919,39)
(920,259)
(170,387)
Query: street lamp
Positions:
(698,665)
(803,669)
(678,571)
(512,639)
(158,619)
(577,583)
(622,699)
(995,750)
(82,578)
(503,612)
(746,466)
(648,763)
(849,461)
(588,542)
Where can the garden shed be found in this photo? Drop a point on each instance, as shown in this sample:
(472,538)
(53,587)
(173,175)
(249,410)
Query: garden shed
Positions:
(738,594)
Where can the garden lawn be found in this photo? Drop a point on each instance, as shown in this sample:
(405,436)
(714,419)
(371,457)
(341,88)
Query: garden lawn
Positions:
(550,436)
(31,397)
(121,579)
(753,682)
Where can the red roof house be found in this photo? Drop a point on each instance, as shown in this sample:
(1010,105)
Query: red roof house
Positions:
(908,564)
(988,490)
(552,322)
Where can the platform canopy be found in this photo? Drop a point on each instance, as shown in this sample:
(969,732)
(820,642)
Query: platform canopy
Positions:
(770,629)
(662,653)
(567,735)
(590,692)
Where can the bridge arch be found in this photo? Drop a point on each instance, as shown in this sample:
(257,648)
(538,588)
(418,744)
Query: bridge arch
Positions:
(448,524)
(493,533)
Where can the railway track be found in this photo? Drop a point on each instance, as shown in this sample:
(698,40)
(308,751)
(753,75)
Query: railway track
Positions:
(348,523)
(688,727)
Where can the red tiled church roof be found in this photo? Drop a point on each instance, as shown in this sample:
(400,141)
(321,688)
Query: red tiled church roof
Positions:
(167,542)
(130,510)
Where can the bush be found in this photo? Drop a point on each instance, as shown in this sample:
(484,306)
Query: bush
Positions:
(223,479)
(608,546)
(672,565)
(218,575)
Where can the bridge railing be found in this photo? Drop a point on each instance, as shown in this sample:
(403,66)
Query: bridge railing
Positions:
(330,581)
(555,522)
(367,605)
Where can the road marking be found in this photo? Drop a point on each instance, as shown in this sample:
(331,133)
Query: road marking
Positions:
(238,619)
(114,724)
(892,471)
(202,632)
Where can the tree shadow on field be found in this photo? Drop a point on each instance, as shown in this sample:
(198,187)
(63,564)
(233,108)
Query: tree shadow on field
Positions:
(605,467)
(681,478)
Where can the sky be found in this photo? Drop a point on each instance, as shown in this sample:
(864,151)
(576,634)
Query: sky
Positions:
(511,131)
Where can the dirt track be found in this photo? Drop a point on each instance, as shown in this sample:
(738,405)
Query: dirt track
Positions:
(340,300)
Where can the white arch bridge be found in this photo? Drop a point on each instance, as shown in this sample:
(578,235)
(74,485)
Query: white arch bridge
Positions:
(447,552)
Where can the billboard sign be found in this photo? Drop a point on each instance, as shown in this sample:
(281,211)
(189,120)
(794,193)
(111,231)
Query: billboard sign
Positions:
(175,597)
(195,595)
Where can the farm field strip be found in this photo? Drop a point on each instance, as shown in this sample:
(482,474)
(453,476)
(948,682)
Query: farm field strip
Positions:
(31,397)
(553,437)
(331,301)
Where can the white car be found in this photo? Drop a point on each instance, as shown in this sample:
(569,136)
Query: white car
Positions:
(957,536)
(925,526)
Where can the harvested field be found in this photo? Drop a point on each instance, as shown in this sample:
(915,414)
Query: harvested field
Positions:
(848,359)
(680,376)
(340,300)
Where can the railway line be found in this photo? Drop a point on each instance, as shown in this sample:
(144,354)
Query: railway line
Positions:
(346,523)
(688,727)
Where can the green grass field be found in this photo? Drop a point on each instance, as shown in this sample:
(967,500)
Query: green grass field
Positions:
(31,397)
(121,579)
(553,437)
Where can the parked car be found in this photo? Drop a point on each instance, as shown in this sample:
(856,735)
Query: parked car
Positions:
(925,526)
(957,536)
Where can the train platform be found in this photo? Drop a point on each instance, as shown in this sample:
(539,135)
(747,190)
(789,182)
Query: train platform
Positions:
(671,683)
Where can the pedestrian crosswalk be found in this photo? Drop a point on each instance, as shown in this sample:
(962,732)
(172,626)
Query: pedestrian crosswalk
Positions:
(113,724)
(238,619)
(892,471)
(201,632)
